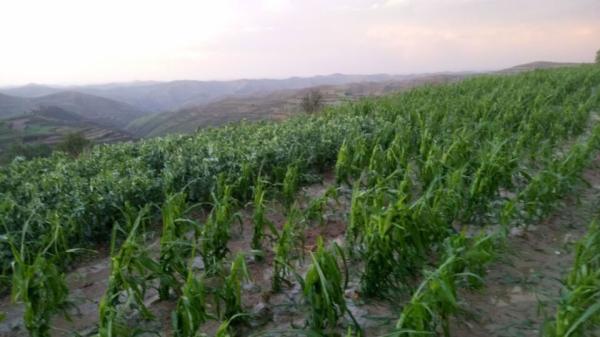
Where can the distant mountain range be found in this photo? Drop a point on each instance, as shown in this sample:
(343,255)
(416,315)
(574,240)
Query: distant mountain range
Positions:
(120,111)
(167,96)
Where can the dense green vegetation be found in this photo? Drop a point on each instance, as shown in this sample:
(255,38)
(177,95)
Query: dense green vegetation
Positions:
(418,163)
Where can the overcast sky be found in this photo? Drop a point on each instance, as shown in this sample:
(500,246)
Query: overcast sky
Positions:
(92,41)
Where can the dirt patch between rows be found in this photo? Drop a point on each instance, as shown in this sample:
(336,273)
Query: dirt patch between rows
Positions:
(522,289)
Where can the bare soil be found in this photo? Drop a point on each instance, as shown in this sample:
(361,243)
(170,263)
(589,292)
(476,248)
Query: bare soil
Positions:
(521,290)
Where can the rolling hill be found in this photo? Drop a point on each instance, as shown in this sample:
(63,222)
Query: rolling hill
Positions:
(49,124)
(31,90)
(167,96)
(96,109)
(13,106)
(537,65)
(274,105)
(47,119)
(99,110)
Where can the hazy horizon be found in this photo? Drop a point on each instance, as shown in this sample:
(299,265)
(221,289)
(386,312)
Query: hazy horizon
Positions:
(69,42)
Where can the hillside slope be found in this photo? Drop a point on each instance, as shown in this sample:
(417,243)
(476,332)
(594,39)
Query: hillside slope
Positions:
(93,108)
(49,125)
(12,106)
(275,105)
(31,90)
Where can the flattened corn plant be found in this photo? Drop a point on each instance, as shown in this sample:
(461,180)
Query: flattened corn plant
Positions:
(431,305)
(435,300)
(315,210)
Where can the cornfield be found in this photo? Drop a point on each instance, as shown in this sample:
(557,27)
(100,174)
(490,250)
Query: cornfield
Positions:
(416,164)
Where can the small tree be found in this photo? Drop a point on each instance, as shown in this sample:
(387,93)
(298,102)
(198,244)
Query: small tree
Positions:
(598,56)
(312,101)
(73,144)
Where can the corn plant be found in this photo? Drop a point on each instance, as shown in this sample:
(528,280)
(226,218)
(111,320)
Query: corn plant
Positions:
(259,218)
(343,165)
(358,216)
(37,282)
(216,230)
(379,254)
(283,250)
(435,300)
(323,290)
(472,255)
(174,248)
(190,312)
(231,291)
(431,305)
(224,328)
(578,312)
(315,211)
(130,268)
(291,183)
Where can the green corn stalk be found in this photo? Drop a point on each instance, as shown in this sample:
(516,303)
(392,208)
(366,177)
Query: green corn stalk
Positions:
(358,217)
(37,282)
(323,289)
(130,268)
(224,328)
(316,207)
(578,312)
(216,230)
(174,248)
(472,255)
(43,290)
(283,250)
(360,153)
(190,312)
(431,305)
(291,184)
(231,292)
(343,165)
(435,300)
(378,254)
(244,181)
(259,218)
